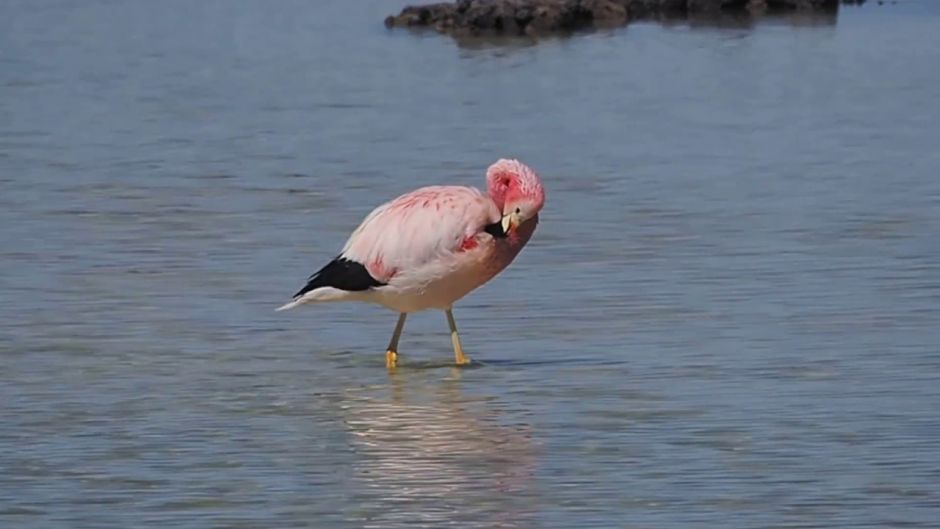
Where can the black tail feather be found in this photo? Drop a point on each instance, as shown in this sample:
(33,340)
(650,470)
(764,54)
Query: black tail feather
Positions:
(343,274)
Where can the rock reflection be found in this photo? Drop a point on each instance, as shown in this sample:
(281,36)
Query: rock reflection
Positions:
(430,455)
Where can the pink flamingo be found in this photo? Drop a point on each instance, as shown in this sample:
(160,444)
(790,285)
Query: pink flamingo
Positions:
(431,247)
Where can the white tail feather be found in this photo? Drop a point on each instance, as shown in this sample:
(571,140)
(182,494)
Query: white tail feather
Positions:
(290,305)
(320,295)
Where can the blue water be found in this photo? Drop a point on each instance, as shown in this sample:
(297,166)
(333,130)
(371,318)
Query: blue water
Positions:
(729,316)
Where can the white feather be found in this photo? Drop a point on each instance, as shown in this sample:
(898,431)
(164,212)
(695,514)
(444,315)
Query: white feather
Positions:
(324,294)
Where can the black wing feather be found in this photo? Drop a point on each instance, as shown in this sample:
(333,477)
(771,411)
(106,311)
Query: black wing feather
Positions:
(343,274)
(495,229)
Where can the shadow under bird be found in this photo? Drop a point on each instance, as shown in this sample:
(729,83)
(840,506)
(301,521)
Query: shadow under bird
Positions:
(431,247)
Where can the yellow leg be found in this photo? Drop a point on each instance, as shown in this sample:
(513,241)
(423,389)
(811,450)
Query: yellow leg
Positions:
(391,356)
(459,357)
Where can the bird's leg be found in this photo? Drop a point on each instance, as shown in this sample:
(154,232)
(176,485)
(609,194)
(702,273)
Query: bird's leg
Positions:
(391,356)
(460,358)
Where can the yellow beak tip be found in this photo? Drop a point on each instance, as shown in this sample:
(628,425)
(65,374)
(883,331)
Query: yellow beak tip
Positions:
(507,224)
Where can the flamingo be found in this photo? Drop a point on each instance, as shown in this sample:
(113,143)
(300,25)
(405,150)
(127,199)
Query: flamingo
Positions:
(431,247)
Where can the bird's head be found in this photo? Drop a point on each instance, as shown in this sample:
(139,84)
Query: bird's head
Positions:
(517,192)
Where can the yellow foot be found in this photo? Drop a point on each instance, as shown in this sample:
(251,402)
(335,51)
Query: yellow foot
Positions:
(391,359)
(462,360)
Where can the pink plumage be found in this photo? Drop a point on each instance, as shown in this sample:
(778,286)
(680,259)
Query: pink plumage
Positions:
(429,248)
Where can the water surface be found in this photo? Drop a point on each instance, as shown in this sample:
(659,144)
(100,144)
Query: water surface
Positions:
(729,316)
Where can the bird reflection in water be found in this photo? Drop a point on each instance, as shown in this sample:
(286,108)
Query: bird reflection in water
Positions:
(429,455)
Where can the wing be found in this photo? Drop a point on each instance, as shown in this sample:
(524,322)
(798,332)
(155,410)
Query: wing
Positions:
(418,228)
(341,274)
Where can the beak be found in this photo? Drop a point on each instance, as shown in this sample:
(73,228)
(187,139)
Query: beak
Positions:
(511,221)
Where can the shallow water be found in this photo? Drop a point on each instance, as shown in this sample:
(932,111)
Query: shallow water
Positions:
(729,316)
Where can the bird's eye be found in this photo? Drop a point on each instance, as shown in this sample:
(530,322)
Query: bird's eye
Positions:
(518,211)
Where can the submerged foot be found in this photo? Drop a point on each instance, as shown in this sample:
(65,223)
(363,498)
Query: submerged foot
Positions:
(391,359)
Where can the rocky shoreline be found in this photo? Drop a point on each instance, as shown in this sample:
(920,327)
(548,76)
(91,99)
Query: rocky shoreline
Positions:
(545,17)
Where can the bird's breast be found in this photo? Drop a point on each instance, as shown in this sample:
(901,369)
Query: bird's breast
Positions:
(502,252)
(441,283)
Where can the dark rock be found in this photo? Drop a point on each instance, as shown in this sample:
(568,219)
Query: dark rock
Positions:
(605,12)
(540,17)
(641,9)
(514,17)
(425,15)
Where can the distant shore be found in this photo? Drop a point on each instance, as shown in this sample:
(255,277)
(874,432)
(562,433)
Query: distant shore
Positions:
(546,17)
